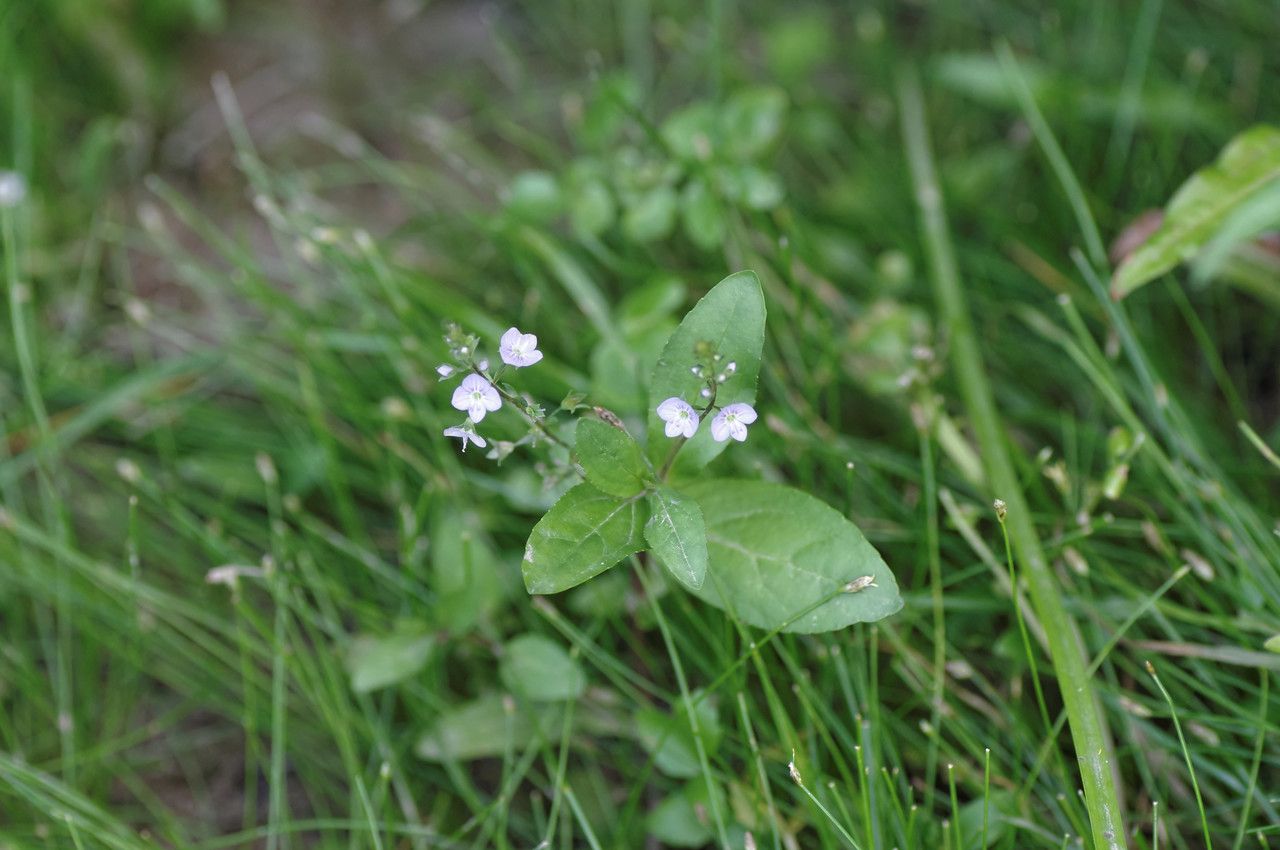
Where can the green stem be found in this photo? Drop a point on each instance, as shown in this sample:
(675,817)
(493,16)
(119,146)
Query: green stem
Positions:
(1084,712)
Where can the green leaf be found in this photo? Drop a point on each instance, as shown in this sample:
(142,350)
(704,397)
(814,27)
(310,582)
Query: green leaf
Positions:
(684,818)
(752,121)
(731,318)
(591,207)
(585,533)
(484,728)
(703,216)
(669,737)
(651,215)
(690,133)
(1249,163)
(468,581)
(1272,644)
(676,534)
(534,196)
(376,662)
(539,669)
(650,305)
(776,552)
(611,458)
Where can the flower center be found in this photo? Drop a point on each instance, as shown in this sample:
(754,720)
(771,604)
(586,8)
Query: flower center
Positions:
(477,395)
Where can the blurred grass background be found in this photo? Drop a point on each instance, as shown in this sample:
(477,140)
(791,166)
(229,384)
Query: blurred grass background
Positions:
(223,308)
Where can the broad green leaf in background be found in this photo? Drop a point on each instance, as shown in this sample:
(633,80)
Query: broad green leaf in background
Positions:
(703,215)
(731,317)
(483,728)
(539,669)
(591,207)
(684,818)
(585,533)
(668,737)
(1249,163)
(676,534)
(467,579)
(1272,644)
(534,196)
(1259,213)
(775,551)
(651,215)
(751,121)
(611,458)
(376,662)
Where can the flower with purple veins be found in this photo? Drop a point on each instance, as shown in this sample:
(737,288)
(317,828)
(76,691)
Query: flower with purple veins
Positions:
(519,349)
(681,418)
(732,421)
(476,396)
(467,434)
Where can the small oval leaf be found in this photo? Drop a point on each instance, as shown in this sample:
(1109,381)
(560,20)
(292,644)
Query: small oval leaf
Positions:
(585,533)
(676,534)
(775,552)
(376,662)
(539,669)
(611,459)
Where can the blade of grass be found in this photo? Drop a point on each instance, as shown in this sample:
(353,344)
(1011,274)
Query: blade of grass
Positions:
(1084,712)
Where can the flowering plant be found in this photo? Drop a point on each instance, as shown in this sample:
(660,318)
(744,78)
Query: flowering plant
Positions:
(774,556)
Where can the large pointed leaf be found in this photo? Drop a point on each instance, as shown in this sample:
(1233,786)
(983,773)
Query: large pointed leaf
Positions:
(775,552)
(676,534)
(731,318)
(585,533)
(1249,163)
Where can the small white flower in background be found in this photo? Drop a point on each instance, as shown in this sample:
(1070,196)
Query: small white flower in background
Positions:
(681,419)
(476,396)
(467,434)
(732,421)
(519,349)
(444,370)
(13,189)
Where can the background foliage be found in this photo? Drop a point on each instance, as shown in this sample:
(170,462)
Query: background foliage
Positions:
(224,304)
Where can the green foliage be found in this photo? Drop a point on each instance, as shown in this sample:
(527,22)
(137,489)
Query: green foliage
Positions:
(776,553)
(539,669)
(669,737)
(731,318)
(676,534)
(610,458)
(585,533)
(376,662)
(1246,166)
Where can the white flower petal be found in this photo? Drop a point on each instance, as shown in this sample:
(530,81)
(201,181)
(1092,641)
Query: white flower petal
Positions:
(719,428)
(510,339)
(674,428)
(737,430)
(690,426)
(744,412)
(460,397)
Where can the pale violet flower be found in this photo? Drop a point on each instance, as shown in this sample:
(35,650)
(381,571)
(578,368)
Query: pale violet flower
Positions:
(732,421)
(13,188)
(444,370)
(467,434)
(681,419)
(476,396)
(519,349)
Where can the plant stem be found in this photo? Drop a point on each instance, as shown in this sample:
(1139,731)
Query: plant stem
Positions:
(1084,712)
